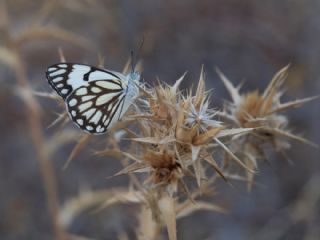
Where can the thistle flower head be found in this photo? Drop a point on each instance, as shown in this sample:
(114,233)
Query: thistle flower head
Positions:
(174,137)
(203,117)
(173,126)
(263,112)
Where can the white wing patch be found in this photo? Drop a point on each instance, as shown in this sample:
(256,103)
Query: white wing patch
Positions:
(103,99)
(66,77)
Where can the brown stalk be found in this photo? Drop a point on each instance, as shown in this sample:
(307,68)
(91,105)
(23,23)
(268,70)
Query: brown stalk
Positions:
(81,144)
(34,125)
(46,167)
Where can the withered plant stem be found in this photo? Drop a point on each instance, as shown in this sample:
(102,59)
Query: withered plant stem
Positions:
(46,167)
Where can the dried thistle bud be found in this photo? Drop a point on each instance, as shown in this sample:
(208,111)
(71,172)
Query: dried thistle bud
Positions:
(175,136)
(263,112)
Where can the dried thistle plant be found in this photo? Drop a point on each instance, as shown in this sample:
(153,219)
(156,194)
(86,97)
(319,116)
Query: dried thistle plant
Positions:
(170,135)
(174,135)
(263,112)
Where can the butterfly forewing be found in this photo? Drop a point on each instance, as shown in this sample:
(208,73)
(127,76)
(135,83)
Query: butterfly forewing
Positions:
(66,77)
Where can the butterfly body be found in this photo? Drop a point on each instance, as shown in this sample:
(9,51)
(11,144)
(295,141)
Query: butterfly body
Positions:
(95,98)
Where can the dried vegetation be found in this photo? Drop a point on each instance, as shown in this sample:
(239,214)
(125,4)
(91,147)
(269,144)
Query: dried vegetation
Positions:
(173,145)
(170,137)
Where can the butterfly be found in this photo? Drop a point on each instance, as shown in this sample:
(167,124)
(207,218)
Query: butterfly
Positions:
(95,98)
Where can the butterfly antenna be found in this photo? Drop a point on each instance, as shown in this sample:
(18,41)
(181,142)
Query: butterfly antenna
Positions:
(132,61)
(140,47)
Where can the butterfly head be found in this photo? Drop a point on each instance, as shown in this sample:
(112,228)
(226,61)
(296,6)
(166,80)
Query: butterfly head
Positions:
(134,76)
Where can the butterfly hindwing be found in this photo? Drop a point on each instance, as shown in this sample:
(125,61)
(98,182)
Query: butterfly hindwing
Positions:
(96,104)
(64,78)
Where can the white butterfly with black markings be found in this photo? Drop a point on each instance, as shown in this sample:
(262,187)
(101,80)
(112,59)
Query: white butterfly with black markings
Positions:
(95,98)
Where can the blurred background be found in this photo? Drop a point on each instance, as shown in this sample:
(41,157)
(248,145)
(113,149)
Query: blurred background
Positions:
(248,40)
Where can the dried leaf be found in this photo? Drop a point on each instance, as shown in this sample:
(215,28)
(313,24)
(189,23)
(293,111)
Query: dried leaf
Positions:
(206,136)
(87,199)
(276,81)
(81,144)
(133,168)
(176,85)
(200,93)
(251,162)
(233,91)
(148,228)
(237,177)
(168,212)
(51,95)
(119,196)
(154,140)
(292,104)
(234,157)
(195,152)
(61,118)
(198,171)
(233,131)
(198,206)
(214,164)
(283,133)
